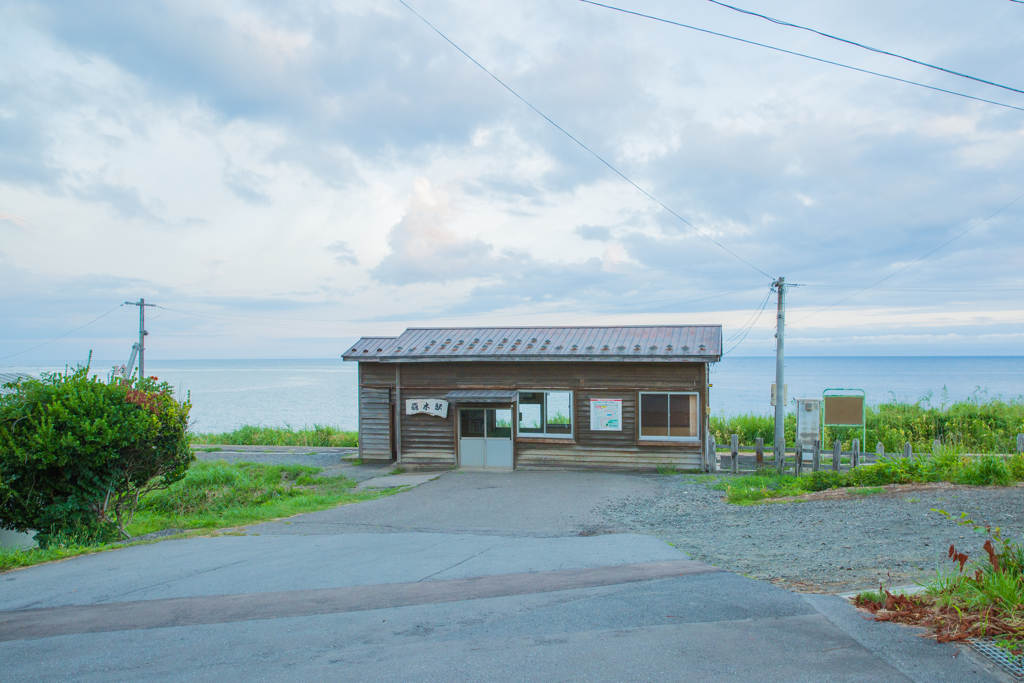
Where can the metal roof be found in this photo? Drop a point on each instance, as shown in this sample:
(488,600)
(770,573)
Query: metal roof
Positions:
(9,378)
(481,396)
(672,343)
(369,348)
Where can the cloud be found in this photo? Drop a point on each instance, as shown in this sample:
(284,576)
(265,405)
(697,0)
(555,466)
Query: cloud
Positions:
(263,132)
(125,201)
(593,232)
(247,185)
(424,250)
(343,253)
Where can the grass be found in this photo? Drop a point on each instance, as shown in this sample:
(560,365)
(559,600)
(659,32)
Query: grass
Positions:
(977,425)
(947,465)
(220,494)
(980,598)
(216,495)
(667,469)
(256,435)
(15,558)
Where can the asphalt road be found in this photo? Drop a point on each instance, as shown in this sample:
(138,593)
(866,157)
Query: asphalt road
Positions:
(472,576)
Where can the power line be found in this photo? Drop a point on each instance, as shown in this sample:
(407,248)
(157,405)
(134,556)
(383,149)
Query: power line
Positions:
(750,327)
(679,299)
(592,152)
(897,272)
(656,308)
(780,22)
(284,323)
(735,334)
(63,335)
(799,54)
(924,289)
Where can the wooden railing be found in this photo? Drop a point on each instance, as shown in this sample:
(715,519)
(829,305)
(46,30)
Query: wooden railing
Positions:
(736,458)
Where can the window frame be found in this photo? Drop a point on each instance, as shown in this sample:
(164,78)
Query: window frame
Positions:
(570,436)
(667,394)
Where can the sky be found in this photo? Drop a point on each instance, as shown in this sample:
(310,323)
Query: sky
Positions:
(281,178)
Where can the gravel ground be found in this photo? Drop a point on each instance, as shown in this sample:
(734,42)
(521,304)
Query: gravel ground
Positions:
(827,546)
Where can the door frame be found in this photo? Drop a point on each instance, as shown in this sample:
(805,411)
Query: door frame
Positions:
(484,406)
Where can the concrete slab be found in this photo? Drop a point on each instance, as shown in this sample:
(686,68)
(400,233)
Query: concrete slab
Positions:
(14,539)
(516,504)
(895,590)
(395,480)
(231,565)
(710,627)
(138,615)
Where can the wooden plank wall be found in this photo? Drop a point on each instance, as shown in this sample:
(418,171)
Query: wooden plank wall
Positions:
(538,375)
(605,450)
(426,439)
(375,423)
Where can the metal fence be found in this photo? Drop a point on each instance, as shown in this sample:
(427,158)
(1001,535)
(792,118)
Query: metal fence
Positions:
(738,459)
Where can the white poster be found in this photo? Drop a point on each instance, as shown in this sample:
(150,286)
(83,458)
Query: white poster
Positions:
(438,407)
(606,414)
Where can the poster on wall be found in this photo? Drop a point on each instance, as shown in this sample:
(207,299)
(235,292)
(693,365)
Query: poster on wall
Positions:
(437,407)
(606,414)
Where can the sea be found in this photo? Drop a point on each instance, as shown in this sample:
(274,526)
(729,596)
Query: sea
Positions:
(226,394)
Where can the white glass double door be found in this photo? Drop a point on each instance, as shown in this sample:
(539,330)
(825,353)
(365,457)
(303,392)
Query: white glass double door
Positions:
(485,438)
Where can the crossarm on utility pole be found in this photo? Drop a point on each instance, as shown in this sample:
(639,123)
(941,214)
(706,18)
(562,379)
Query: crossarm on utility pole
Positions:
(141,345)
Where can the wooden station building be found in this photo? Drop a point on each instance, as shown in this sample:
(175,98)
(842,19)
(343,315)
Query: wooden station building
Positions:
(529,398)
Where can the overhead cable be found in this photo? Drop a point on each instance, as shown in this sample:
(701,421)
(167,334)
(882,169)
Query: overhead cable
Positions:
(897,272)
(63,335)
(800,54)
(753,317)
(780,22)
(750,326)
(578,142)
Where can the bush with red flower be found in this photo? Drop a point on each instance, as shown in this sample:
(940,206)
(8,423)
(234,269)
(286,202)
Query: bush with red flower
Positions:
(77,453)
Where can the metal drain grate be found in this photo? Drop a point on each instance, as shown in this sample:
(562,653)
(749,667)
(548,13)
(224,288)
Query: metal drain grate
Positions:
(1012,664)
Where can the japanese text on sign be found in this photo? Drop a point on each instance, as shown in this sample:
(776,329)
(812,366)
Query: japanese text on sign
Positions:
(438,407)
(606,414)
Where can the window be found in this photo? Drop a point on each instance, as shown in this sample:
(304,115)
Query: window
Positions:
(669,416)
(545,413)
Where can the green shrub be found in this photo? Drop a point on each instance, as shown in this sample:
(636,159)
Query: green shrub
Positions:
(823,480)
(987,470)
(77,453)
(1016,465)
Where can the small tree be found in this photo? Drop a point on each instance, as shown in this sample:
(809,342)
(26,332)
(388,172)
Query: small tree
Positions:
(76,453)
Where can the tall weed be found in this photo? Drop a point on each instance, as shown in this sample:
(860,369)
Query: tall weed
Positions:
(256,435)
(977,425)
(987,470)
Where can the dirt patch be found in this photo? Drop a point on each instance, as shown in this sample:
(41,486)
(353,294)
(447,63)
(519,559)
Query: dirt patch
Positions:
(851,493)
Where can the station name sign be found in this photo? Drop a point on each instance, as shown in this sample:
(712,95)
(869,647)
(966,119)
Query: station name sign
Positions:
(438,407)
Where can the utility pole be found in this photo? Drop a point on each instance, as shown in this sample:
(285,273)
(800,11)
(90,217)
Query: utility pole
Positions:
(780,372)
(141,345)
